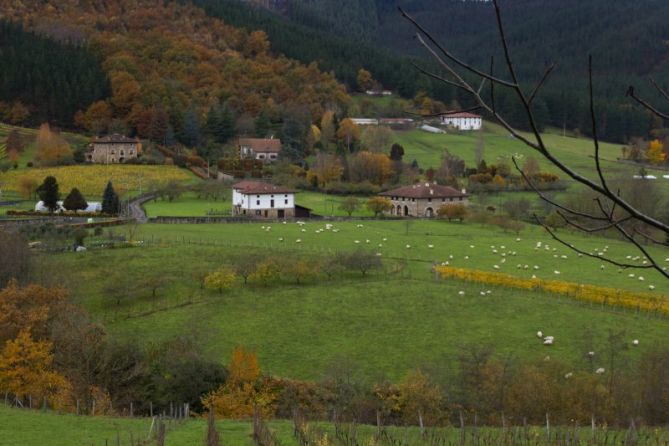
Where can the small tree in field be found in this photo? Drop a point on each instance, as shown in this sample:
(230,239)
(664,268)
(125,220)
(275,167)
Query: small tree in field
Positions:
(378,205)
(452,211)
(75,201)
(362,261)
(350,205)
(220,280)
(48,193)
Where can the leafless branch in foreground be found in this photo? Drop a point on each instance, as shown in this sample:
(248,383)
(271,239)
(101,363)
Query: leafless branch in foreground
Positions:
(620,212)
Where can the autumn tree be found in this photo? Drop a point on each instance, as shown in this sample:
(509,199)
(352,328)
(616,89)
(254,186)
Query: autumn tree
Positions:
(49,194)
(97,117)
(364,80)
(27,186)
(51,147)
(377,138)
(301,269)
(379,205)
(243,391)
(348,133)
(26,368)
(328,129)
(266,271)
(221,279)
(420,400)
(655,152)
(326,169)
(349,205)
(368,166)
(75,201)
(452,211)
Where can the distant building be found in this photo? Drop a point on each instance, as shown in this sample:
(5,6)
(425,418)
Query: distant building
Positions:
(430,129)
(113,149)
(423,199)
(365,121)
(262,200)
(378,92)
(463,121)
(397,122)
(264,149)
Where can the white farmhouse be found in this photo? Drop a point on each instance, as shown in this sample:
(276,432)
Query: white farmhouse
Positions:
(266,150)
(262,200)
(463,121)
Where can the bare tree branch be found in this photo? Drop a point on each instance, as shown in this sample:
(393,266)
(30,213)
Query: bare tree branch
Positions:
(588,254)
(544,78)
(644,104)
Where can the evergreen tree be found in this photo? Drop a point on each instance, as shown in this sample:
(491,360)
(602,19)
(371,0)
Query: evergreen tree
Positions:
(191,134)
(48,193)
(221,123)
(262,125)
(75,201)
(110,200)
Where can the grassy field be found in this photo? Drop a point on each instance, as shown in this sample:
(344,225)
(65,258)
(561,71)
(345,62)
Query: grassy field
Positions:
(428,148)
(407,319)
(33,428)
(91,180)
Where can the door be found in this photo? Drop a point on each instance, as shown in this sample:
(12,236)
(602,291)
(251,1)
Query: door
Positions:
(281,213)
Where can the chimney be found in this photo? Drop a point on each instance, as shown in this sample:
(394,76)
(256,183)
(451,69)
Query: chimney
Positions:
(464,191)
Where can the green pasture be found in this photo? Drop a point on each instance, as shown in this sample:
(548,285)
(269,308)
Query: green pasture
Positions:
(428,148)
(380,326)
(34,428)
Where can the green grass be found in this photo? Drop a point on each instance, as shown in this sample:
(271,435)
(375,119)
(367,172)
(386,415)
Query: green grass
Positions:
(384,325)
(428,148)
(34,428)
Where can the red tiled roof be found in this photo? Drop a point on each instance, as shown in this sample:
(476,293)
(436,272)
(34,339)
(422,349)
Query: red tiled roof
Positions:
(115,138)
(461,115)
(424,190)
(249,187)
(261,145)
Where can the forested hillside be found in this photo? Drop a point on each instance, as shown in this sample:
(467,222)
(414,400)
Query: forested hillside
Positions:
(44,79)
(171,67)
(627,39)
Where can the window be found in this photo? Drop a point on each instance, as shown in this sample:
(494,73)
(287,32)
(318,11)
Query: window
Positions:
(460,199)
(258,202)
(443,200)
(429,200)
(285,201)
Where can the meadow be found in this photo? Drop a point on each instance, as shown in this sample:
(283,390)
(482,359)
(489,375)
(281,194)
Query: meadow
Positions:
(34,428)
(91,180)
(405,316)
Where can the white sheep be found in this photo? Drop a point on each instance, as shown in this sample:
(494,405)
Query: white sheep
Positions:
(540,334)
(635,342)
(600,371)
(568,375)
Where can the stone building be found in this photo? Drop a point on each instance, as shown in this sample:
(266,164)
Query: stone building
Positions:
(264,149)
(113,149)
(423,199)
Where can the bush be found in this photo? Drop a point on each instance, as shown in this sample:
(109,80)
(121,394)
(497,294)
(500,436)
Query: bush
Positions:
(453,211)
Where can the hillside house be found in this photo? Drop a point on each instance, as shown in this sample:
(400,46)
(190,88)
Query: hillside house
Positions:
(264,149)
(262,200)
(92,207)
(423,199)
(463,121)
(113,149)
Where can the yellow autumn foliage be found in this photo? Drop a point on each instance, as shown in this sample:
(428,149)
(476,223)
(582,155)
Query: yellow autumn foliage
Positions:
(586,293)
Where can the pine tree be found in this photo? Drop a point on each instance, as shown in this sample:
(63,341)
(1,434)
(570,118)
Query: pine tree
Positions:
(110,200)
(262,125)
(75,201)
(191,134)
(48,193)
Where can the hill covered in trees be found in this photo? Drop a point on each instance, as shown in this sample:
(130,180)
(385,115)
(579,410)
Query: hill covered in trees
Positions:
(627,39)
(169,66)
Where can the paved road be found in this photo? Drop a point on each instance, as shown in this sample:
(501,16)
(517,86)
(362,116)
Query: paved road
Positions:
(136,210)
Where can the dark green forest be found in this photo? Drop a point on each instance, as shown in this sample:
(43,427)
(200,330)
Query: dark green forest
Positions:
(53,79)
(628,40)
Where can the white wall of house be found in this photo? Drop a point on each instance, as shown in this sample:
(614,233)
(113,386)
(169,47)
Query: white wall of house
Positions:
(262,201)
(463,123)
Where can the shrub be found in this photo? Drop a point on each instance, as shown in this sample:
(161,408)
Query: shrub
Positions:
(453,211)
(221,279)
